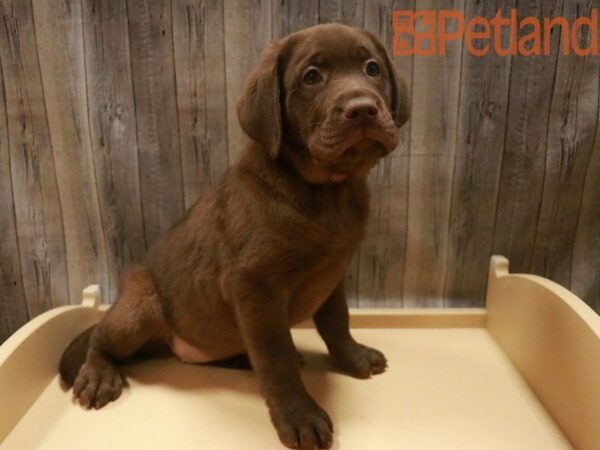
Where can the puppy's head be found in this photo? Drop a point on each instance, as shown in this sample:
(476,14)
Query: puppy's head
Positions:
(330,98)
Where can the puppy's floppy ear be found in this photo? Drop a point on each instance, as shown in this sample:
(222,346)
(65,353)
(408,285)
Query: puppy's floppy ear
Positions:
(400,98)
(259,108)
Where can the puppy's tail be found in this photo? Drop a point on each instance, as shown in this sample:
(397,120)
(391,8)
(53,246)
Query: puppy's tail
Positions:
(74,357)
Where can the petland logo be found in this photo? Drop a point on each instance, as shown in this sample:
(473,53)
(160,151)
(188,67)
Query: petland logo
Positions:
(426,33)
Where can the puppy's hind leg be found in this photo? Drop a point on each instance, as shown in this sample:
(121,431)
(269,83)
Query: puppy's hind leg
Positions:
(135,319)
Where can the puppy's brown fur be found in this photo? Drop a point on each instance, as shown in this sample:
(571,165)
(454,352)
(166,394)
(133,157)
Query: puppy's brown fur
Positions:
(270,245)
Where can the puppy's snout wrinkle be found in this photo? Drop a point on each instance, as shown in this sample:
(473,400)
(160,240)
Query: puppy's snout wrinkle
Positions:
(361,108)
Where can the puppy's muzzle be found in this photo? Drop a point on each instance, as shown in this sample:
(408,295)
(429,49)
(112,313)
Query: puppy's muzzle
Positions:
(360,110)
(363,115)
(357,119)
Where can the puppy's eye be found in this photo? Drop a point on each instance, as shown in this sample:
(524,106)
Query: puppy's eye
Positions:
(312,77)
(373,69)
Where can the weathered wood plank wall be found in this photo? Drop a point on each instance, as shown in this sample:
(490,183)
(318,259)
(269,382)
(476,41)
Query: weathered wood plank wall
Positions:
(482,119)
(116,115)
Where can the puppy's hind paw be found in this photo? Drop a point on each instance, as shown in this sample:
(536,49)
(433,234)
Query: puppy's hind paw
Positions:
(99,381)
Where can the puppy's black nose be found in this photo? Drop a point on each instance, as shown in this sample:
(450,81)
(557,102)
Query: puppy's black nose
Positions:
(360,108)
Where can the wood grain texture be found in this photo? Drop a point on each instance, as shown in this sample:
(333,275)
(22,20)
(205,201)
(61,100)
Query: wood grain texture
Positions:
(13,308)
(151,47)
(293,15)
(198,38)
(247,33)
(435,93)
(585,275)
(349,12)
(37,204)
(482,116)
(585,279)
(523,163)
(59,38)
(381,258)
(112,123)
(570,137)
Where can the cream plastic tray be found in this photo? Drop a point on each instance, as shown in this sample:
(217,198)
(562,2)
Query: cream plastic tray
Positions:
(523,373)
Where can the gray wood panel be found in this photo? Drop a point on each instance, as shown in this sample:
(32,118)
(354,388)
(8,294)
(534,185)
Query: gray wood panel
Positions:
(117,115)
(293,15)
(199,46)
(37,204)
(573,114)
(112,122)
(59,37)
(482,118)
(435,95)
(247,33)
(524,158)
(350,12)
(585,257)
(153,73)
(13,308)
(585,278)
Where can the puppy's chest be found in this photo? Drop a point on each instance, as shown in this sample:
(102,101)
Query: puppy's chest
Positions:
(341,229)
(323,271)
(315,286)
(343,221)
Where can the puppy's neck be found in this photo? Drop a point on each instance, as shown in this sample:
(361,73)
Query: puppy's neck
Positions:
(313,172)
(294,172)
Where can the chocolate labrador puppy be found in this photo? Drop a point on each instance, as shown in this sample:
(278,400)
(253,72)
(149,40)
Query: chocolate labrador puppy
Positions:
(269,246)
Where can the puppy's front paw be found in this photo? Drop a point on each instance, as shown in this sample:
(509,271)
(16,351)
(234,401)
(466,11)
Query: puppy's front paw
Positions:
(302,424)
(360,361)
